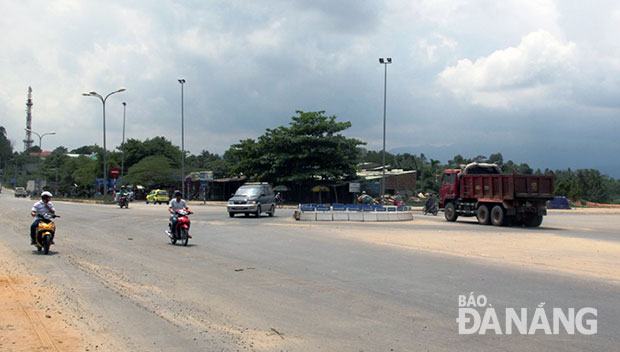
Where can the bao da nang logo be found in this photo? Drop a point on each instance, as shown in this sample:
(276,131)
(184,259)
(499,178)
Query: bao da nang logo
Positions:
(478,316)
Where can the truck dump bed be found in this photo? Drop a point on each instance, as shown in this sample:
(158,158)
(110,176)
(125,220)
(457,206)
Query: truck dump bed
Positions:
(506,187)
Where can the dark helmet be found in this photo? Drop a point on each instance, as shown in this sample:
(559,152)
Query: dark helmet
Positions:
(178,194)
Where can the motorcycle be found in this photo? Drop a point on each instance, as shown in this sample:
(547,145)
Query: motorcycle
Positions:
(181,229)
(434,209)
(46,228)
(123,201)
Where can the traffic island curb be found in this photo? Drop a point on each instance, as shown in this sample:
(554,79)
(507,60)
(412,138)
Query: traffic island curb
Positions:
(356,216)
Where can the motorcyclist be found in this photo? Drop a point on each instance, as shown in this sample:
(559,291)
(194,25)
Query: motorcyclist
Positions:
(42,207)
(364,198)
(175,204)
(123,192)
(430,203)
(278,198)
(398,199)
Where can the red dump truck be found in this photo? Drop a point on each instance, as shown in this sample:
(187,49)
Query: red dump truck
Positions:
(481,190)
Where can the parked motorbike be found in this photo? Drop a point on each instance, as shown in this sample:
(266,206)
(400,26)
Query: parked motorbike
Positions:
(123,201)
(433,209)
(181,229)
(45,232)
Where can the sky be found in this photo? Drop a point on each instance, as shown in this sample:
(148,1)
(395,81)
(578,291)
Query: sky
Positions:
(537,80)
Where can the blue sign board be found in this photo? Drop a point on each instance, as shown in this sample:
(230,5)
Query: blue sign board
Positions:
(99,182)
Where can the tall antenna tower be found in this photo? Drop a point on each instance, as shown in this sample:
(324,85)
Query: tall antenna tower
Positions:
(28,141)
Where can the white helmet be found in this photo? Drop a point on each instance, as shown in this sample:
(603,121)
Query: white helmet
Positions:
(46,194)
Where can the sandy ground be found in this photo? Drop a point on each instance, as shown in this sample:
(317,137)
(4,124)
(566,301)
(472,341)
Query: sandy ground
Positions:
(32,318)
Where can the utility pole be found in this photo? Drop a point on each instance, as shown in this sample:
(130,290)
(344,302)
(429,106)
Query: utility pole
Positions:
(182,81)
(385,62)
(123,144)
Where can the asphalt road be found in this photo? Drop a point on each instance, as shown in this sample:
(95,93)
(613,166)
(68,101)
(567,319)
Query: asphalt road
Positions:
(269,284)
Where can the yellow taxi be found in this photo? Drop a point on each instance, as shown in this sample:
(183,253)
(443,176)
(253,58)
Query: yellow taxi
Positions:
(158,196)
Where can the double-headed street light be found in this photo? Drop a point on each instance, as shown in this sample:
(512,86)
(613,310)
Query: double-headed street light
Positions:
(38,187)
(182,81)
(385,62)
(103,100)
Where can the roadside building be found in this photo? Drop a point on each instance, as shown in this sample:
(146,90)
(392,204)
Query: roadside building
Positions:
(396,180)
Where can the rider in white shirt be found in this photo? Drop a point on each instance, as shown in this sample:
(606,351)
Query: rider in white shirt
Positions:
(42,207)
(175,204)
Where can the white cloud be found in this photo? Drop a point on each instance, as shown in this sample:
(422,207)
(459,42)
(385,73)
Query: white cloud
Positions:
(434,43)
(538,71)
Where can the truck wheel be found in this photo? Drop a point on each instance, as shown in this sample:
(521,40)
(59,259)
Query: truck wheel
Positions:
(450,212)
(497,215)
(533,220)
(483,215)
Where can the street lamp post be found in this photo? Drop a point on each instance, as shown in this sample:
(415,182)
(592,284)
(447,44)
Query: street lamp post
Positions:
(38,186)
(385,62)
(182,81)
(103,100)
(123,144)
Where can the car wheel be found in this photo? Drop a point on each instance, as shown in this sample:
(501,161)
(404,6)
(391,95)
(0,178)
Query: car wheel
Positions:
(232,215)
(273,210)
(258,211)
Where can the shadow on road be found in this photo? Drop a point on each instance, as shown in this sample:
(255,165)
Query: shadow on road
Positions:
(512,227)
(51,253)
(181,245)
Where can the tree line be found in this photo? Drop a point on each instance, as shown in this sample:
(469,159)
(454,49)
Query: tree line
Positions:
(310,150)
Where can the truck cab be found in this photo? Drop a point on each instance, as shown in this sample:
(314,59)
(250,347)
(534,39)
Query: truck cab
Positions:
(449,186)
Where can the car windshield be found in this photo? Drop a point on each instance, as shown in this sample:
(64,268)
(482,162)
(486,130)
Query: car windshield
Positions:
(247,191)
(163,193)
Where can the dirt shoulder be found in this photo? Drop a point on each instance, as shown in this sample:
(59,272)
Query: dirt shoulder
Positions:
(31,319)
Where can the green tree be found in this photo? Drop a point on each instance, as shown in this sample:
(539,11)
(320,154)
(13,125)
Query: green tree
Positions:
(310,148)
(457,161)
(136,150)
(154,170)
(6,149)
(80,172)
(86,149)
(497,159)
